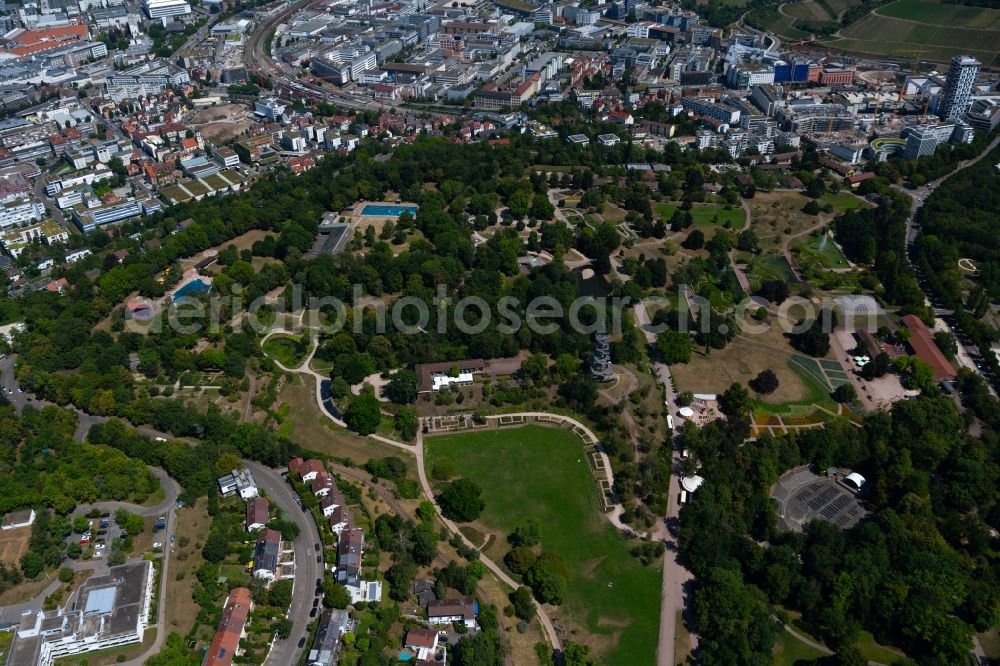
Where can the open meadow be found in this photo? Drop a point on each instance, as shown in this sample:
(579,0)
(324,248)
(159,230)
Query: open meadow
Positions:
(613,600)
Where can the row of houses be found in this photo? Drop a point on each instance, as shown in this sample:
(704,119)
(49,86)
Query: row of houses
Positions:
(350,538)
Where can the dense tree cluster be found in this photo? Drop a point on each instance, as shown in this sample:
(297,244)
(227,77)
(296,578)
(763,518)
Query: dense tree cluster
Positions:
(959,221)
(877,237)
(920,572)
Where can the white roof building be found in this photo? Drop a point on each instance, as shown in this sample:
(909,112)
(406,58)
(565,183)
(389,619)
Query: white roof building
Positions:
(854,480)
(692,483)
(238,481)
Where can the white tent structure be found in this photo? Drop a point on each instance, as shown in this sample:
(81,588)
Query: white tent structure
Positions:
(692,483)
(854,481)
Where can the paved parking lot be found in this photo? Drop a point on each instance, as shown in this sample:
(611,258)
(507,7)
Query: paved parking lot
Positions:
(803,496)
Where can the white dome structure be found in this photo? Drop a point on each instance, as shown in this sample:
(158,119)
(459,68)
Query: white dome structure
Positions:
(692,483)
(854,480)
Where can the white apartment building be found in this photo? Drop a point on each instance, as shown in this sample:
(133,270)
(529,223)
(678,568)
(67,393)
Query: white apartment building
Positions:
(161,8)
(957,95)
(109,611)
(18,211)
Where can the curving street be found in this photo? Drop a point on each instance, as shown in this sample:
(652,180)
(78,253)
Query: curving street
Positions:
(307,569)
(919,195)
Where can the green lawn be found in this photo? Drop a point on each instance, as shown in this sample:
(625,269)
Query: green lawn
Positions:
(822,249)
(771,267)
(872,651)
(818,392)
(705,214)
(842,202)
(789,650)
(286,349)
(613,601)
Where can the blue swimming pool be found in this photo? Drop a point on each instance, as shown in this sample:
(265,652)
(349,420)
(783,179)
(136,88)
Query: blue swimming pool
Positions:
(380,210)
(193,288)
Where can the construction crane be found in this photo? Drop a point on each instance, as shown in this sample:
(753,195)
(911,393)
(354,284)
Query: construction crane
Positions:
(927,105)
(917,52)
(878,101)
(798,44)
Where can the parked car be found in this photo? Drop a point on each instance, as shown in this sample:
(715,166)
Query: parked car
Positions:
(302,642)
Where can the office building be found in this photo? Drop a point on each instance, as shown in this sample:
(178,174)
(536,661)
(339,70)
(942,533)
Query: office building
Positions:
(162,8)
(957,95)
(18,211)
(924,139)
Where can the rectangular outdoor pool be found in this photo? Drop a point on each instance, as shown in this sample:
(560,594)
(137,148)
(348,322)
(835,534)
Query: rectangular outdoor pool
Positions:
(382,210)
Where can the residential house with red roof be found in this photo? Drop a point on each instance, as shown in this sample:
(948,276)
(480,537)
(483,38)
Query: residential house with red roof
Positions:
(226,644)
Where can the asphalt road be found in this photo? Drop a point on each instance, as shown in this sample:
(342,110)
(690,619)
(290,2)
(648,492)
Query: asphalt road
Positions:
(84,421)
(919,196)
(307,569)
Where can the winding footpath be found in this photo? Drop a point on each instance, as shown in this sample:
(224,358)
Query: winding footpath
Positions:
(306,369)
(543,616)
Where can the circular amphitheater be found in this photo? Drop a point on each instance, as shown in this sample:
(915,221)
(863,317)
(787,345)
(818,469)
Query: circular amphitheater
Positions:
(803,496)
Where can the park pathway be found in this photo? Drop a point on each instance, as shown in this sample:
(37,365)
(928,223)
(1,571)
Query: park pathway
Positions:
(675,576)
(543,616)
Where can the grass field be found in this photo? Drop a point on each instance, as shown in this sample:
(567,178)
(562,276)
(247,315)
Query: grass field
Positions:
(842,201)
(771,267)
(941,30)
(820,249)
(613,601)
(740,361)
(192,526)
(307,425)
(705,214)
(13,544)
(788,650)
(776,215)
(871,650)
(286,349)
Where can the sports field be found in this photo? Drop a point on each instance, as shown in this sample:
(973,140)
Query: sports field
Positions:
(613,601)
(940,30)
